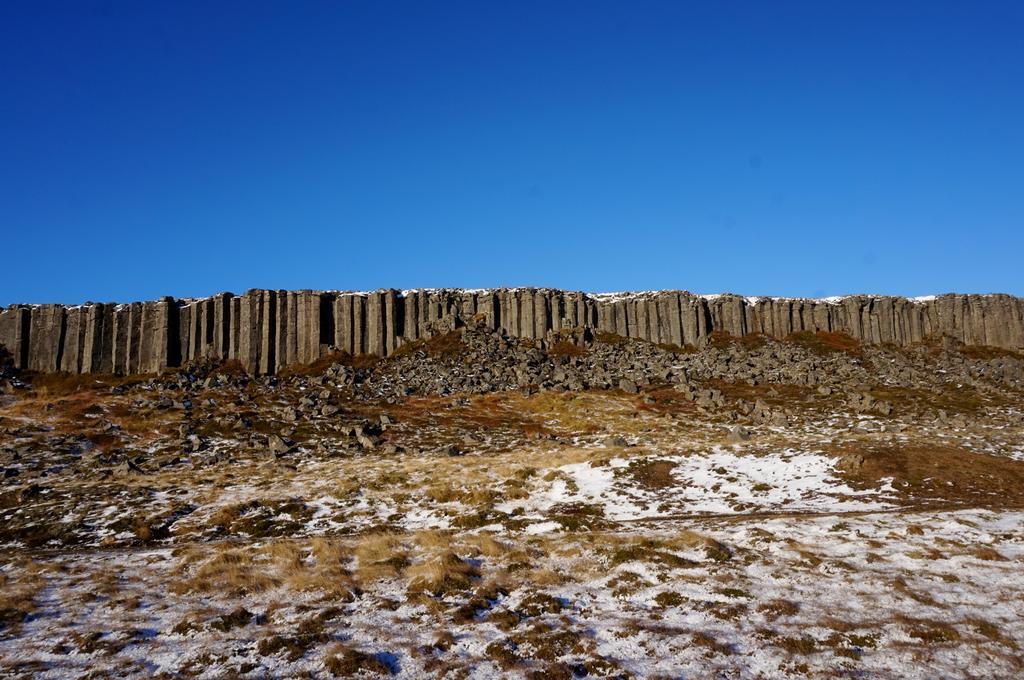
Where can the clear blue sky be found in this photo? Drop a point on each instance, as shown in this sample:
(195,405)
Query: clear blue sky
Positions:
(780,148)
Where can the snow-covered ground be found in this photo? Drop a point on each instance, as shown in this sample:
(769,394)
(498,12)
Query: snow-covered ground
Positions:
(593,534)
(720,481)
(919,595)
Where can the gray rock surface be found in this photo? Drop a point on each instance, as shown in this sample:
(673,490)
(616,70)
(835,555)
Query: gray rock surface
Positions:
(267,331)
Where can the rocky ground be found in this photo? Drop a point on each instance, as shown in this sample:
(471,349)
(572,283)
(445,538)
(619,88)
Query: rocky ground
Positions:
(479,506)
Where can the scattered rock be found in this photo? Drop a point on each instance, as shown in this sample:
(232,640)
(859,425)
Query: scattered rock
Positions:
(277,444)
(738,434)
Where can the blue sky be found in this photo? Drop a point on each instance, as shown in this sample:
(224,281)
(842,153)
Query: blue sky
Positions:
(760,148)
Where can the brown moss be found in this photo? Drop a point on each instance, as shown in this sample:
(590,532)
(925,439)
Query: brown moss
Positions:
(677,349)
(652,552)
(776,608)
(564,348)
(987,353)
(669,598)
(60,383)
(708,641)
(444,345)
(548,643)
(537,604)
(650,473)
(935,633)
(797,645)
(939,475)
(261,518)
(503,653)
(724,340)
(824,342)
(294,647)
(578,516)
(348,662)
(610,338)
(317,367)
(230,368)
(236,619)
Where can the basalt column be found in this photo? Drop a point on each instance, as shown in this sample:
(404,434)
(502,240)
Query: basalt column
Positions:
(45,337)
(14,333)
(74,340)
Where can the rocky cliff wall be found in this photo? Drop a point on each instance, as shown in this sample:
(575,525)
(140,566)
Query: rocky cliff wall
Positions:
(268,329)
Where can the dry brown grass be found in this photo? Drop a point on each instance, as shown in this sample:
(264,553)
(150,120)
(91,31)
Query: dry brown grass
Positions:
(447,492)
(485,544)
(441,573)
(963,399)
(577,413)
(317,565)
(713,549)
(380,556)
(226,570)
(19,586)
(60,384)
(546,577)
(324,571)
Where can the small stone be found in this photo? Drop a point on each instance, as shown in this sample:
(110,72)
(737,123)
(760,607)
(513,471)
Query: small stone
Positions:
(452,451)
(277,444)
(851,462)
(738,434)
(367,441)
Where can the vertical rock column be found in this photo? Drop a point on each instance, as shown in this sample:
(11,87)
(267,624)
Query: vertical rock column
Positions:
(308,340)
(45,337)
(359,332)
(375,323)
(74,340)
(286,328)
(92,338)
(155,335)
(222,308)
(410,314)
(343,322)
(267,332)
(394,318)
(251,321)
(184,331)
(14,333)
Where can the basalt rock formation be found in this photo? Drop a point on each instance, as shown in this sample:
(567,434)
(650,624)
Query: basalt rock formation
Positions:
(266,330)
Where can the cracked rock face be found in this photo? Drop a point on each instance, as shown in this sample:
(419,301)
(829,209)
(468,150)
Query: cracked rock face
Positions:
(266,331)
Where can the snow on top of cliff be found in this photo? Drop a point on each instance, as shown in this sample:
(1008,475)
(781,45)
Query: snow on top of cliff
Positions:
(606,297)
(749,299)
